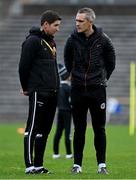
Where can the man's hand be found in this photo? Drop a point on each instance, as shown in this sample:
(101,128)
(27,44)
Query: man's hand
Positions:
(24,92)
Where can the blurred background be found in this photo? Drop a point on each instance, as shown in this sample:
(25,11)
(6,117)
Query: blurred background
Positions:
(116,17)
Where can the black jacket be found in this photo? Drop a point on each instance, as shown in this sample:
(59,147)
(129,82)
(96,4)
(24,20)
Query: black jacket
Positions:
(89,60)
(38,67)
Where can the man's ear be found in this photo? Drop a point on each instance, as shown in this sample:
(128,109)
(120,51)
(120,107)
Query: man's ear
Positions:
(45,23)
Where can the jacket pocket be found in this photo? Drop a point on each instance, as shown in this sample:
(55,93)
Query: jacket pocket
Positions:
(44,75)
(49,74)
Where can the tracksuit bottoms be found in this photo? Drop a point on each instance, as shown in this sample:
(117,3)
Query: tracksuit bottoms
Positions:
(94,100)
(42,109)
(63,123)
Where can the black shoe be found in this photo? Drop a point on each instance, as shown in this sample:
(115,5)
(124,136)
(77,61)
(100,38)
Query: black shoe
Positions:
(76,170)
(41,171)
(102,170)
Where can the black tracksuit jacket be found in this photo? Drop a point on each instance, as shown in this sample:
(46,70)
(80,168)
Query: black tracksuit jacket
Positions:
(90,60)
(37,67)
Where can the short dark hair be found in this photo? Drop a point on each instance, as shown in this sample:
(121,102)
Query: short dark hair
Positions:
(49,16)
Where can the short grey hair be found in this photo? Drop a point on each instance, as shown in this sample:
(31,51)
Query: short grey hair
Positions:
(90,14)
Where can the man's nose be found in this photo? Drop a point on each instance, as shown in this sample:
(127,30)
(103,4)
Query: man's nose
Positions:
(58,28)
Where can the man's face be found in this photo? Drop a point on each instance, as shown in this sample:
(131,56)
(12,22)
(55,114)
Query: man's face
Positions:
(52,28)
(82,24)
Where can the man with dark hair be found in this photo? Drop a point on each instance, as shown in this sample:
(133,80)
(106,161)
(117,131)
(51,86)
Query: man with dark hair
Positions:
(49,16)
(40,81)
(90,58)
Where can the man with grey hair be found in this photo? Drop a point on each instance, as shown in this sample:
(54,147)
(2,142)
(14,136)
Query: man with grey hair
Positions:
(89,56)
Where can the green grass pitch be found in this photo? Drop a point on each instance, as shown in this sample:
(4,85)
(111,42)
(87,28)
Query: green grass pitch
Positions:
(121,156)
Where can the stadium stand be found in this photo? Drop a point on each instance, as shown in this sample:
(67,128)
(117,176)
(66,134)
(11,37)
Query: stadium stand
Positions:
(121,29)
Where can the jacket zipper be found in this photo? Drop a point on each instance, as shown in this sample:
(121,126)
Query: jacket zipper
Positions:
(89,65)
(86,74)
(53,50)
(55,78)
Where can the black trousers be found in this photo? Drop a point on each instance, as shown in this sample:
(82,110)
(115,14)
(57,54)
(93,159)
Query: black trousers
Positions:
(63,123)
(42,109)
(94,100)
